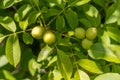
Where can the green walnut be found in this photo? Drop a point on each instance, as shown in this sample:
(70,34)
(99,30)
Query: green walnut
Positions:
(80,33)
(86,44)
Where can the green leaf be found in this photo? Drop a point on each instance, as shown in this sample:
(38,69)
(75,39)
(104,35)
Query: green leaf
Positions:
(108,76)
(105,38)
(100,2)
(92,15)
(72,18)
(44,53)
(114,33)
(50,13)
(27,38)
(89,65)
(33,66)
(23,24)
(60,23)
(13,52)
(54,59)
(33,16)
(22,12)
(99,51)
(2,37)
(8,23)
(64,64)
(8,75)
(82,2)
(6,3)
(81,75)
(57,75)
(113,13)
(59,3)
(77,2)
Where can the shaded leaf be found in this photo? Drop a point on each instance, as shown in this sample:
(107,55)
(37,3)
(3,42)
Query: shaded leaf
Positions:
(13,52)
(89,65)
(27,38)
(108,76)
(72,18)
(64,65)
(114,33)
(44,53)
(8,23)
(60,23)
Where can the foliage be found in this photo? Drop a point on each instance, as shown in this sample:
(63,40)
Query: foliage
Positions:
(67,57)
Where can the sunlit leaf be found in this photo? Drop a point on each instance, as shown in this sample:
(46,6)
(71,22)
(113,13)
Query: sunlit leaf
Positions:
(64,64)
(13,52)
(6,3)
(89,65)
(81,75)
(99,51)
(3,61)
(108,76)
(23,24)
(2,37)
(22,12)
(8,75)
(33,66)
(44,53)
(8,23)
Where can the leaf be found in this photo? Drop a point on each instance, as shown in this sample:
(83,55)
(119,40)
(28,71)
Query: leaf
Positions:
(22,12)
(59,3)
(91,16)
(33,66)
(51,12)
(6,3)
(57,75)
(33,16)
(64,65)
(108,76)
(60,23)
(2,37)
(105,38)
(8,23)
(23,24)
(82,2)
(100,2)
(72,18)
(81,75)
(13,52)
(3,61)
(54,59)
(77,2)
(8,75)
(27,38)
(114,33)
(89,65)
(99,51)
(44,53)
(113,13)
